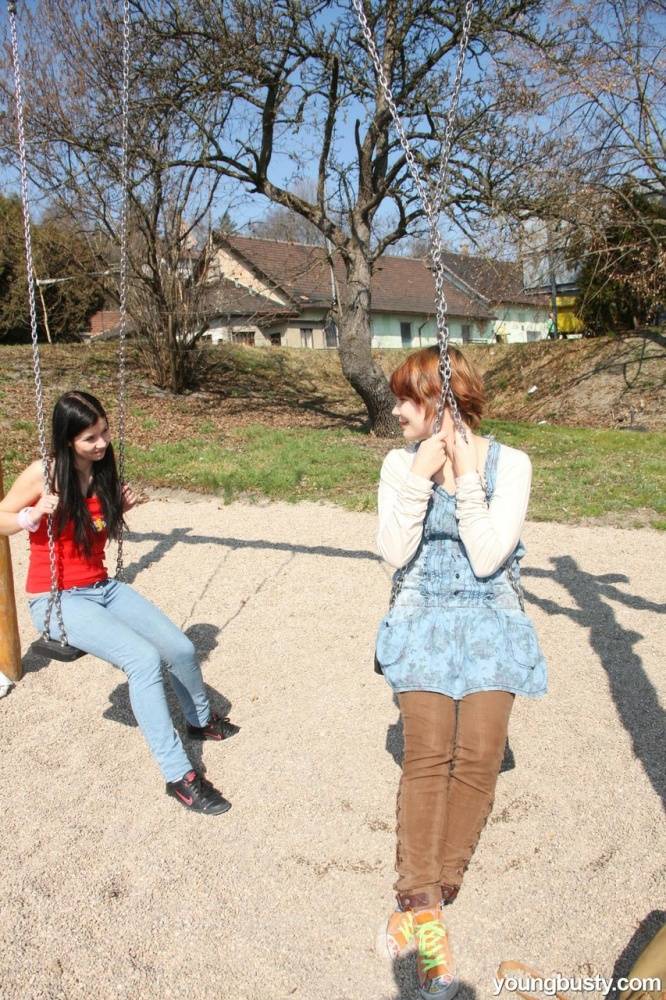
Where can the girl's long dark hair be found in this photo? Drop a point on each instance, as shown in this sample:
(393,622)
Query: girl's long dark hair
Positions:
(73,413)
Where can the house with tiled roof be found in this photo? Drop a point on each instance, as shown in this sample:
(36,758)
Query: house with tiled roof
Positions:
(519,314)
(266,292)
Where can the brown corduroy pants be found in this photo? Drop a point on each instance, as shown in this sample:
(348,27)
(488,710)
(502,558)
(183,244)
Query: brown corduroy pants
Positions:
(453,753)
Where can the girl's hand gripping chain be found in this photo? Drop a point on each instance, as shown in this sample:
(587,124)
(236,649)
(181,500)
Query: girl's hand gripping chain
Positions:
(431,456)
(133,499)
(462,453)
(47,504)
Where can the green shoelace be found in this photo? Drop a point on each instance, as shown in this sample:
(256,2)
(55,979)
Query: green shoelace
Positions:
(430,936)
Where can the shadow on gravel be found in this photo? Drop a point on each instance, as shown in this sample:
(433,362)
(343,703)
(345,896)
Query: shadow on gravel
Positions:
(634,695)
(31,663)
(404,972)
(395,738)
(204,636)
(166,542)
(642,936)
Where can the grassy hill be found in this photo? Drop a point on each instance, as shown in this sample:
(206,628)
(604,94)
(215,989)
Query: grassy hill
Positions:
(285,423)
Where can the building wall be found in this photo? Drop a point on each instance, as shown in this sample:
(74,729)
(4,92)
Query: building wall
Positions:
(513,323)
(517,324)
(224,263)
(307,331)
(220,334)
(104,320)
(386,330)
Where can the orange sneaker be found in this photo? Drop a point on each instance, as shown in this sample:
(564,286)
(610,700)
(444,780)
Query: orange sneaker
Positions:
(434,963)
(395,936)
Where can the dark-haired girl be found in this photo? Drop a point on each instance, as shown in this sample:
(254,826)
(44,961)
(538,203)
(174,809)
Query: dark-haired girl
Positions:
(456,646)
(104,616)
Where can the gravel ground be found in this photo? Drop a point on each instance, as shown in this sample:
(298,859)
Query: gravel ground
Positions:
(110,890)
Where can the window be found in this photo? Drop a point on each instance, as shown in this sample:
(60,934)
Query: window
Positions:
(276,339)
(243,337)
(306,337)
(331,335)
(466,333)
(406,334)
(534,335)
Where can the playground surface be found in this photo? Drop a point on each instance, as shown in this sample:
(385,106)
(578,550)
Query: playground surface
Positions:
(110,890)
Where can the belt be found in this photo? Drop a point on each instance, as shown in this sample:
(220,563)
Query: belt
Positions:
(90,586)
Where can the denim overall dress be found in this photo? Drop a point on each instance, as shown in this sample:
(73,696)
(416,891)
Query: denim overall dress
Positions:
(450,631)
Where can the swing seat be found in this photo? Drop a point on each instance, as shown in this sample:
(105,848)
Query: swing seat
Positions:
(53,649)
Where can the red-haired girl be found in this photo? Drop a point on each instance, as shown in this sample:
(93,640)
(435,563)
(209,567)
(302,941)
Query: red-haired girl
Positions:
(456,645)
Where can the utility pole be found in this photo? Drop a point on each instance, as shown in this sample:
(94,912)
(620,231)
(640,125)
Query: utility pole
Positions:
(553,282)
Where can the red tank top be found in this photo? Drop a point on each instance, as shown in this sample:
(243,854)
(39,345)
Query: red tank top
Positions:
(74,567)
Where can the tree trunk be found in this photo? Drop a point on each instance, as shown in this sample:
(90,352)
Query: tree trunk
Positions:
(358,367)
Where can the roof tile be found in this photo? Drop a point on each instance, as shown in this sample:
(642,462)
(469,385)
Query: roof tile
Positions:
(399,284)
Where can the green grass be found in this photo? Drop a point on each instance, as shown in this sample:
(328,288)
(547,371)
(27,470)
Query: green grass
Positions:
(24,425)
(258,461)
(578,473)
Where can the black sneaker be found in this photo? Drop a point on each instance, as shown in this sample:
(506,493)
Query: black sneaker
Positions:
(198,794)
(216,728)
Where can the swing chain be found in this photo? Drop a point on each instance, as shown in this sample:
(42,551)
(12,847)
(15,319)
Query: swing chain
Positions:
(122,329)
(54,600)
(430,195)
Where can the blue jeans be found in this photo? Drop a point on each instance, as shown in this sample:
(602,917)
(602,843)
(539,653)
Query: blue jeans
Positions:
(116,624)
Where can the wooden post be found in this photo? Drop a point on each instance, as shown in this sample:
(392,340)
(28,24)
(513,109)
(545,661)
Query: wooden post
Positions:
(10,646)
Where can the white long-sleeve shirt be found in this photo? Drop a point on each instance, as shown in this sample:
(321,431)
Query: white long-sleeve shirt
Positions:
(489,532)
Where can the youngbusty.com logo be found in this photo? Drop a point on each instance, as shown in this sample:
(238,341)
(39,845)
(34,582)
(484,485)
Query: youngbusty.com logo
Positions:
(550,986)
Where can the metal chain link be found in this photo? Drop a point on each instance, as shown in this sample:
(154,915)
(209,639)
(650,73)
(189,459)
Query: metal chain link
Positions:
(54,601)
(122,330)
(430,195)
(431,198)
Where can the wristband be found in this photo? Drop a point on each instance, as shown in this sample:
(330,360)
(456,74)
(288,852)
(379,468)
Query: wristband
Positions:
(25,520)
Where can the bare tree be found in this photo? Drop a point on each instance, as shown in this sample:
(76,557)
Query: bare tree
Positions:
(73,122)
(282,223)
(303,92)
(600,92)
(258,96)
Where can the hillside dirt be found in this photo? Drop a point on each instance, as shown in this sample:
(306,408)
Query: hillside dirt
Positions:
(604,382)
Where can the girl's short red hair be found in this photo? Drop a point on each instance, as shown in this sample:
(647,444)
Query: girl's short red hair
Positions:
(418,379)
